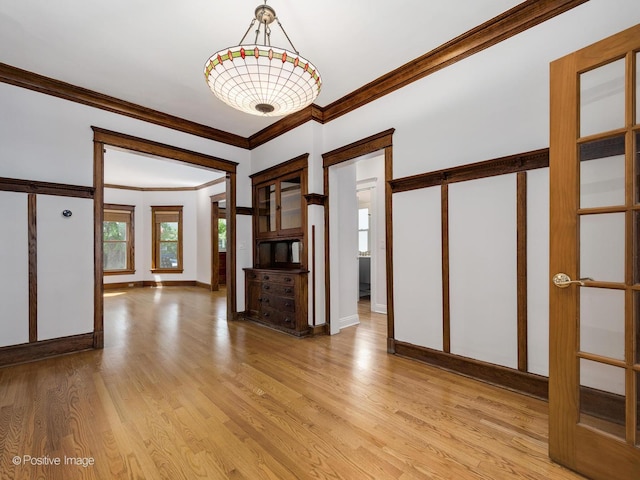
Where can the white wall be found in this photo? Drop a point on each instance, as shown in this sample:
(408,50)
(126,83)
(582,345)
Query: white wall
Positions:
(14,280)
(65,266)
(143,202)
(343,245)
(417,253)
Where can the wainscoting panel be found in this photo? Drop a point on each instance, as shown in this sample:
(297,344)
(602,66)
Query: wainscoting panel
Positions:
(14,265)
(65,266)
(483,273)
(538,271)
(418,254)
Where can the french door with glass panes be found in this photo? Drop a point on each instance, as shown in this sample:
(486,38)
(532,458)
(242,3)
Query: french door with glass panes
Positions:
(594,377)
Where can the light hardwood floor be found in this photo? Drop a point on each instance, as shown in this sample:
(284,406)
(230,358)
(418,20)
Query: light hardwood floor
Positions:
(180,393)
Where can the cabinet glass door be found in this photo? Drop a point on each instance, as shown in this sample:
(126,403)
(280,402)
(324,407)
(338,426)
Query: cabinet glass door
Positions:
(267,208)
(290,203)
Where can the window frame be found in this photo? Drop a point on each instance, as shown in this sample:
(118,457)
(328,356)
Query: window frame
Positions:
(157,212)
(113,211)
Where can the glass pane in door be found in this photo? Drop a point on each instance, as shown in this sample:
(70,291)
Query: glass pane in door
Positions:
(602,322)
(636,182)
(291,203)
(602,247)
(602,397)
(602,167)
(267,209)
(602,98)
(637,88)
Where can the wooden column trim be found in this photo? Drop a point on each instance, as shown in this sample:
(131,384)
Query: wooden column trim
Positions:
(230,213)
(446,298)
(215,259)
(388,175)
(33,266)
(521,207)
(98,268)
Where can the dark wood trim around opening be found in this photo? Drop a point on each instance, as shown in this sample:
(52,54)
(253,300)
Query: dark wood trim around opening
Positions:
(142,145)
(380,141)
(101,138)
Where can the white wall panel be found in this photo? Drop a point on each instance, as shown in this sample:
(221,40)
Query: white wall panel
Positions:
(417,261)
(483,277)
(65,266)
(14,268)
(538,270)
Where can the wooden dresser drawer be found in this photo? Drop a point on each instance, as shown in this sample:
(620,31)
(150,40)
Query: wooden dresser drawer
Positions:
(277,298)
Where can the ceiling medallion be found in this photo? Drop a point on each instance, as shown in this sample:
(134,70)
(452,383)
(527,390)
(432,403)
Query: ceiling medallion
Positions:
(260,79)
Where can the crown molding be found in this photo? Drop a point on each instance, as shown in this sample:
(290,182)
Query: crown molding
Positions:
(40,83)
(526,15)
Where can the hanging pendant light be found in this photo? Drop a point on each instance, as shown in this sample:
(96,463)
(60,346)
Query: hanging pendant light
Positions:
(260,79)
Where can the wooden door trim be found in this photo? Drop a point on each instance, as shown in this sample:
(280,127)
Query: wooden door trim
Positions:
(102,138)
(380,141)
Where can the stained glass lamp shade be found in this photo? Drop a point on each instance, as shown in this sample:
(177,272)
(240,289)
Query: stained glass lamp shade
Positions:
(261,79)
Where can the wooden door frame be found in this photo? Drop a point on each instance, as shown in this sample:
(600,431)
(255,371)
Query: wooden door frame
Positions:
(381,141)
(215,252)
(574,450)
(103,138)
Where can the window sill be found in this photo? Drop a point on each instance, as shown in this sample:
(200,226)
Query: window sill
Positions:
(118,272)
(167,270)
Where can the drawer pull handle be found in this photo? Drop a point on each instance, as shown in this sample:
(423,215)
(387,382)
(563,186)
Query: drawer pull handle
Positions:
(266,277)
(287,279)
(287,304)
(266,287)
(287,290)
(266,314)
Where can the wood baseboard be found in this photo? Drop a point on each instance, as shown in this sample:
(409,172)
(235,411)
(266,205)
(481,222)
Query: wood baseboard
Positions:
(29,352)
(121,285)
(170,283)
(150,283)
(521,382)
(320,329)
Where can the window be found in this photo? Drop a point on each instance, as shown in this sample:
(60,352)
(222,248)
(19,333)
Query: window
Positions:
(222,234)
(167,239)
(118,240)
(364,240)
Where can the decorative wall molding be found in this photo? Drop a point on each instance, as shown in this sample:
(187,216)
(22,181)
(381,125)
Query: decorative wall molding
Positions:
(28,352)
(473,171)
(45,188)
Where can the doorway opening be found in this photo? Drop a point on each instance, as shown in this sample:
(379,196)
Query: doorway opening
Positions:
(103,140)
(364,165)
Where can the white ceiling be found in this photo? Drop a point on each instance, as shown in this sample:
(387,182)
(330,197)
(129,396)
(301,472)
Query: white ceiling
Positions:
(152,52)
(125,168)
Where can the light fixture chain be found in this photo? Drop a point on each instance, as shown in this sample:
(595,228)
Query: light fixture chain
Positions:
(248,30)
(285,34)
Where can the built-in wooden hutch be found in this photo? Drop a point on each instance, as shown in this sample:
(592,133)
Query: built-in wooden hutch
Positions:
(276,285)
